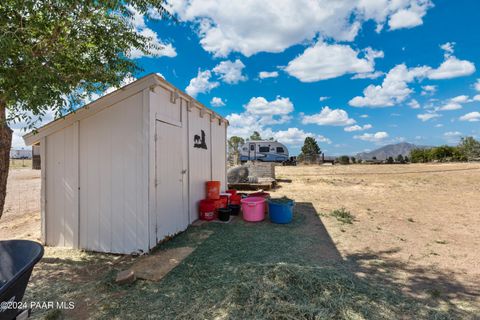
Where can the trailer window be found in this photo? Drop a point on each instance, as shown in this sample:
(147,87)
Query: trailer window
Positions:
(280,150)
(252,147)
(264,149)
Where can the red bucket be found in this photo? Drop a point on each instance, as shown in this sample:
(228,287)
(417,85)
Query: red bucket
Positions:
(224,201)
(207,209)
(213,189)
(235,199)
(231,191)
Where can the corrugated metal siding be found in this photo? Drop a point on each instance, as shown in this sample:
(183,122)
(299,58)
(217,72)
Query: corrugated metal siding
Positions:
(113,208)
(219,160)
(199,160)
(61,186)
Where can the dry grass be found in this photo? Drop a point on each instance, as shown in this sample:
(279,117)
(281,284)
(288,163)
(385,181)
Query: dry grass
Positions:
(408,217)
(20,163)
(411,252)
(21,216)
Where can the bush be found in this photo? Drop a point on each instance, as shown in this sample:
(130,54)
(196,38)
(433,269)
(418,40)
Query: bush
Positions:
(342,215)
(344,160)
(467,149)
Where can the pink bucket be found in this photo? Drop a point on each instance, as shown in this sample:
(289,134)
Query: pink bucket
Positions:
(253,209)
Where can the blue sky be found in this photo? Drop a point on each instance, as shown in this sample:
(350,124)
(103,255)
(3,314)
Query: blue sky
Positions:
(355,74)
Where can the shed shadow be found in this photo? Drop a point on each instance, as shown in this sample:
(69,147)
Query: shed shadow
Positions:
(425,285)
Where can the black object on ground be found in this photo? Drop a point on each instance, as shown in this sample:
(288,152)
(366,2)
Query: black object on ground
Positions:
(224,214)
(17,259)
(235,209)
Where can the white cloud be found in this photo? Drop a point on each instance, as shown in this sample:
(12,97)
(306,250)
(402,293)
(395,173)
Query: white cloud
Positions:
(321,99)
(476,98)
(201,83)
(252,26)
(428,90)
(460,99)
(358,128)
(395,89)
(448,48)
(450,106)
(260,113)
(372,137)
(452,136)
(428,116)
(451,67)
(125,81)
(392,91)
(471,117)
(438,125)
(20,128)
(158,47)
(408,18)
(364,116)
(260,106)
(266,74)
(217,102)
(414,104)
(230,71)
(370,75)
(136,19)
(477,85)
(326,61)
(295,136)
(329,117)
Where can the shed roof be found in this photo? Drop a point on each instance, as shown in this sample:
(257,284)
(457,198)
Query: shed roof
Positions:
(149,81)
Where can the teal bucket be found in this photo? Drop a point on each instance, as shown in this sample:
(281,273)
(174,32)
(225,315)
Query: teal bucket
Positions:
(281,212)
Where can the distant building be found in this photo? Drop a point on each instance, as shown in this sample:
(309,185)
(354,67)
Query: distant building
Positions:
(21,154)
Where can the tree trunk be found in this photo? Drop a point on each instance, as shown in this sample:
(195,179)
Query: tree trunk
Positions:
(5,145)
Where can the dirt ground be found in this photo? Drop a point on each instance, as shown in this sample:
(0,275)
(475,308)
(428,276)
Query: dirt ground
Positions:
(21,217)
(418,222)
(414,227)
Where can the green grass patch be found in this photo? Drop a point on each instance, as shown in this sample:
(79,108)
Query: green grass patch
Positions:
(342,215)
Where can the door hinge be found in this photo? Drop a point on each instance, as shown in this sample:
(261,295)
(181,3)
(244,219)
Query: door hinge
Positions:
(155,137)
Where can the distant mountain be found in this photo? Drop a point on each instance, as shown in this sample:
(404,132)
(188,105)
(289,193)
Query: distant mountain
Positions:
(391,150)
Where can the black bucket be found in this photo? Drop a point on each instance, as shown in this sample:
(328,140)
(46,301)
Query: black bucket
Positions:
(235,209)
(224,214)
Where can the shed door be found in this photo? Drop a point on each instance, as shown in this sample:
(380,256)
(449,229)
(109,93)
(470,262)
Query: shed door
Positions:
(171,216)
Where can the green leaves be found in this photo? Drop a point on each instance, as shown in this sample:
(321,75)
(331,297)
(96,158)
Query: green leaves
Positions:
(53,54)
(310,147)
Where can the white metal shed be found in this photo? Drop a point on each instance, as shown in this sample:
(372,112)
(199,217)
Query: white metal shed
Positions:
(127,170)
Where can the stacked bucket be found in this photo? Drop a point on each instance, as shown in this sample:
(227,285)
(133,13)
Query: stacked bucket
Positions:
(254,207)
(219,205)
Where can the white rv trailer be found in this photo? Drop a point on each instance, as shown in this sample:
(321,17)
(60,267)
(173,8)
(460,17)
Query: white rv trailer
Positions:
(266,151)
(21,154)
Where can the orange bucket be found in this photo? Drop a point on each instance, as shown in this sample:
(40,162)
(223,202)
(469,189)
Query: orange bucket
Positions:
(213,190)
